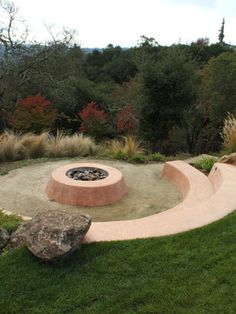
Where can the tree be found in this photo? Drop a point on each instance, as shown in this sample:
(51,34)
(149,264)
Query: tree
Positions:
(202,53)
(201,42)
(11,47)
(110,64)
(147,49)
(29,69)
(33,114)
(219,84)
(218,87)
(222,32)
(168,90)
(195,122)
(10,25)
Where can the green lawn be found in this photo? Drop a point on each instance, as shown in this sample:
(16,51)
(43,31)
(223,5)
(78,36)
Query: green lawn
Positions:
(194,272)
(9,222)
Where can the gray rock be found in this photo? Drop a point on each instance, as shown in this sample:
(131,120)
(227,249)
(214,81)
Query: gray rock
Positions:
(4,237)
(17,238)
(53,234)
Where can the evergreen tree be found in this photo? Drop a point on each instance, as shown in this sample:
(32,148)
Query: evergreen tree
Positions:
(222,32)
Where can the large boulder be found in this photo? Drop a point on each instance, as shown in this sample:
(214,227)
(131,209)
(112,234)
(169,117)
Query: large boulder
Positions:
(228,159)
(53,234)
(4,237)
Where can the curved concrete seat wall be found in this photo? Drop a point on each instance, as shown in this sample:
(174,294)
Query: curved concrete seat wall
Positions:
(218,175)
(206,200)
(223,201)
(193,184)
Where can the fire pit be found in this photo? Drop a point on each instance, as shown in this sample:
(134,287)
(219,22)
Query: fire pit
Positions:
(87,174)
(86,184)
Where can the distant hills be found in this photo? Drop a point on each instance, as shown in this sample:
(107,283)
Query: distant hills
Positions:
(85,50)
(89,50)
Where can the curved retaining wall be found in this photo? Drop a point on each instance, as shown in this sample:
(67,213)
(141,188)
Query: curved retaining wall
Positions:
(193,184)
(206,200)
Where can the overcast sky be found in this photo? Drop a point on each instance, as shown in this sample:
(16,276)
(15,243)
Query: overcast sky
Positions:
(122,22)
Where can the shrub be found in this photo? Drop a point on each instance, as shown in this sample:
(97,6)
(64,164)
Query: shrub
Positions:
(229,134)
(63,145)
(158,157)
(120,155)
(33,114)
(126,120)
(205,164)
(94,121)
(139,158)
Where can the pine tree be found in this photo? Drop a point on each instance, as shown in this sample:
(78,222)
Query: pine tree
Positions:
(221,32)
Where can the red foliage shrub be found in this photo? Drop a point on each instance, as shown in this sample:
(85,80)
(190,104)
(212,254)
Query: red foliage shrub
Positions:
(92,113)
(94,120)
(33,113)
(126,120)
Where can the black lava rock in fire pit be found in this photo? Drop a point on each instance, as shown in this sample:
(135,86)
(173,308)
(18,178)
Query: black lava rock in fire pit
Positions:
(87,174)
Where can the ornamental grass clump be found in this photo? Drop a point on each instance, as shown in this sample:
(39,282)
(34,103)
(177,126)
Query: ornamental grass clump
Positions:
(11,148)
(229,134)
(63,145)
(15,146)
(80,145)
(125,148)
(35,145)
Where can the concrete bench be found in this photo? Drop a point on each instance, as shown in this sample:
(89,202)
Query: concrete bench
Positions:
(193,184)
(205,200)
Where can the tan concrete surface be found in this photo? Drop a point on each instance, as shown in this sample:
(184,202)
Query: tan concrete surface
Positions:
(22,191)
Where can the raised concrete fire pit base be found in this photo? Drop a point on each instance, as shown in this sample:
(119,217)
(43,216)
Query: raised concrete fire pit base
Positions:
(66,190)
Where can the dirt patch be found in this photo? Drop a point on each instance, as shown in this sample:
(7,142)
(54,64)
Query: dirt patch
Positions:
(22,191)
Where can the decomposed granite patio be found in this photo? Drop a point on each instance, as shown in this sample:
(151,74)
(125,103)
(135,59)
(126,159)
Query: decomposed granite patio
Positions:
(22,191)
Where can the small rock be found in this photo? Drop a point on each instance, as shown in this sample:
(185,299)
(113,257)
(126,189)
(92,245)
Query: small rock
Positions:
(4,237)
(53,234)
(86,174)
(17,238)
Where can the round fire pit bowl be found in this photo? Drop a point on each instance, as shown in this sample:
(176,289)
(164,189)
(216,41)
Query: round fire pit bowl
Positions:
(86,184)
